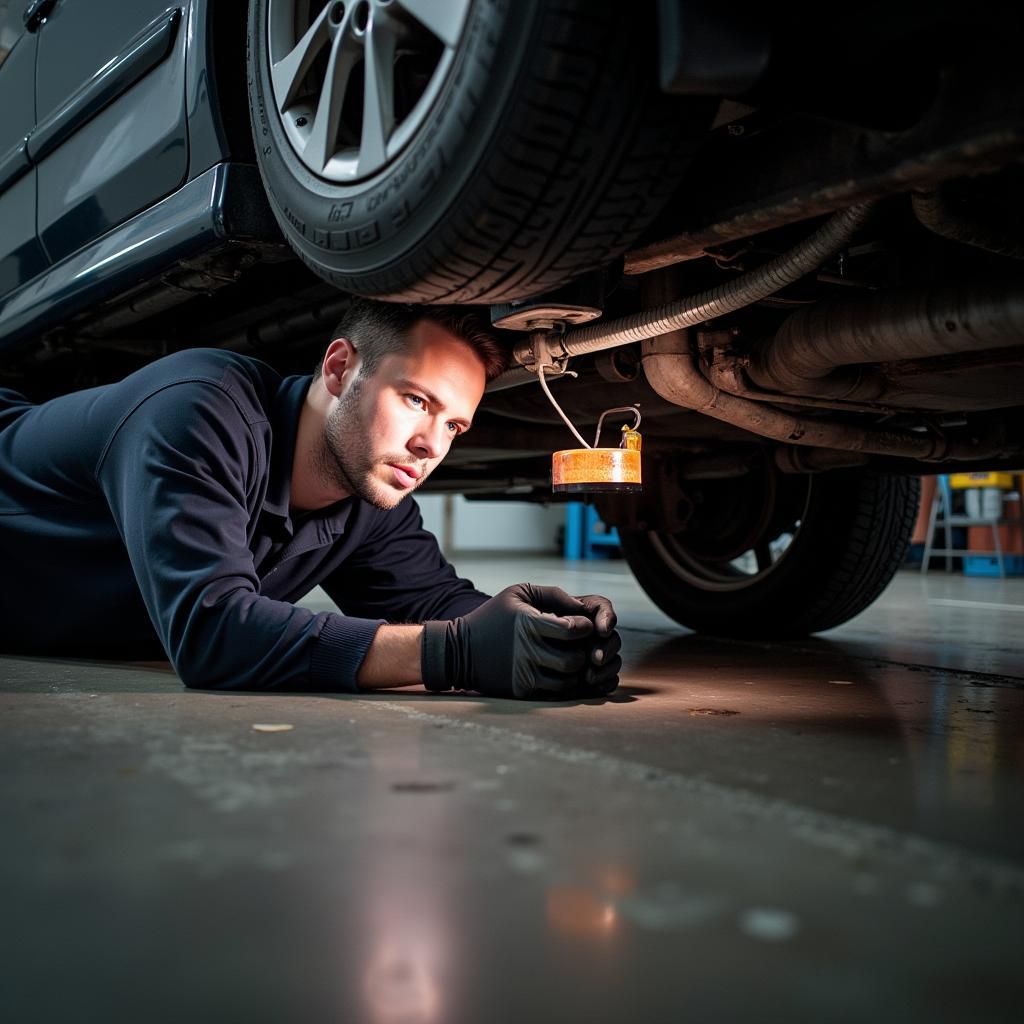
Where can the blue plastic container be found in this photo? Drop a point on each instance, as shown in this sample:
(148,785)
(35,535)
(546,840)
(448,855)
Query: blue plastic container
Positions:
(988,565)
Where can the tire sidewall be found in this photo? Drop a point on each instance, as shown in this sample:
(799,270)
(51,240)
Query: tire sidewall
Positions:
(369,224)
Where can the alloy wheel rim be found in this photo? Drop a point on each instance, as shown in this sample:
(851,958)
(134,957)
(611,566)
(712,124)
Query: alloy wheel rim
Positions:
(354,82)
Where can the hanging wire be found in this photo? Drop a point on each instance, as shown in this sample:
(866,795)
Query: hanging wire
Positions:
(558,408)
(635,410)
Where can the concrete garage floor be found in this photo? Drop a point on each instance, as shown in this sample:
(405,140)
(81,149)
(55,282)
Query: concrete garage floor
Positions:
(824,830)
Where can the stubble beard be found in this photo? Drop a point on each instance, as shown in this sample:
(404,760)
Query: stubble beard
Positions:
(344,460)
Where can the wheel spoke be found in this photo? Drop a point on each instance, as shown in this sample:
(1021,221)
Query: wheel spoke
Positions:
(763,554)
(442,18)
(316,91)
(378,96)
(324,134)
(287,74)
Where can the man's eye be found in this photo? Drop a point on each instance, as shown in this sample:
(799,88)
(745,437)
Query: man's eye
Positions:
(418,402)
(454,428)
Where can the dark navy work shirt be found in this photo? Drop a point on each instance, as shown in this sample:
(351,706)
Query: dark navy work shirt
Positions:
(150,518)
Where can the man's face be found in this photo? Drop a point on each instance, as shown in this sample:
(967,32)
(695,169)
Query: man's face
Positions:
(386,433)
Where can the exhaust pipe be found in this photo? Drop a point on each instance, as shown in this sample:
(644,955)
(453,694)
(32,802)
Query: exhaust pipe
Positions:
(669,366)
(821,350)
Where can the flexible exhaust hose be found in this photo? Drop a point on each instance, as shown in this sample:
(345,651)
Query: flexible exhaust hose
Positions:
(727,298)
(742,291)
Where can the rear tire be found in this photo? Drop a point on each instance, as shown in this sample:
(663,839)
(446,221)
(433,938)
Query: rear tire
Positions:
(852,535)
(541,149)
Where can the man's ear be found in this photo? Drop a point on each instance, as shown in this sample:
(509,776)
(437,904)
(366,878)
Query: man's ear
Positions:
(340,365)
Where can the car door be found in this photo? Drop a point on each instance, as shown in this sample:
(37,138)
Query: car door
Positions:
(111,136)
(21,256)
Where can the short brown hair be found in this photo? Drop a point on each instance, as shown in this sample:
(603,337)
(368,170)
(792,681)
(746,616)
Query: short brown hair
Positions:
(379,329)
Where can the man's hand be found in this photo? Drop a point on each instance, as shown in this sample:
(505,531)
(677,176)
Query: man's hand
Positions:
(526,641)
(602,671)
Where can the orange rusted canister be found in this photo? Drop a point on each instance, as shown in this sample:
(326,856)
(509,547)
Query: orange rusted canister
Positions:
(577,470)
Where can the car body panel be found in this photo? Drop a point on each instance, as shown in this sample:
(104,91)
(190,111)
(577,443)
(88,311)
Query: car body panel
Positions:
(80,38)
(106,166)
(224,202)
(21,256)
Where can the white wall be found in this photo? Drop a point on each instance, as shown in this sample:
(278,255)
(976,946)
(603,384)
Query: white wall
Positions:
(493,525)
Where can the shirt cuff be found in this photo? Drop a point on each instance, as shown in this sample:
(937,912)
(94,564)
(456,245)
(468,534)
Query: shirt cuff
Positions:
(340,650)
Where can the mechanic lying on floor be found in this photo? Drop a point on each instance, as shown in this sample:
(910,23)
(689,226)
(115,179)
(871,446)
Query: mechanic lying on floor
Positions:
(183,510)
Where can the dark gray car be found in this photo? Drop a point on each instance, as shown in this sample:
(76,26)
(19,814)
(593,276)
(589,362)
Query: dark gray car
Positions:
(795,244)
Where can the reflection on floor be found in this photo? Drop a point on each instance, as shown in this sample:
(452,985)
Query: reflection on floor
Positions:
(824,830)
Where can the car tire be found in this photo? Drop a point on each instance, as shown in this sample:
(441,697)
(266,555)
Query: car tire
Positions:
(545,148)
(852,535)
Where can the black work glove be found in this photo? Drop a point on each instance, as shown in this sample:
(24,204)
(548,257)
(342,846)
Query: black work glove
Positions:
(603,663)
(526,641)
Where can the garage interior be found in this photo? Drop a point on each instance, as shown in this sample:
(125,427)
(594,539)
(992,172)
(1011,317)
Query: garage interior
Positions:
(830,828)
(792,241)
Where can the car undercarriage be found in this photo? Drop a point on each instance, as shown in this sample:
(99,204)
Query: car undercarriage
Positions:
(829,302)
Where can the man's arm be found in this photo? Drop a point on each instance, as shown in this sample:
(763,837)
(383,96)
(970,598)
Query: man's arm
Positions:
(399,574)
(393,658)
(177,474)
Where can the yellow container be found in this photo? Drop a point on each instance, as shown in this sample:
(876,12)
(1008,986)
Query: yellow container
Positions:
(960,481)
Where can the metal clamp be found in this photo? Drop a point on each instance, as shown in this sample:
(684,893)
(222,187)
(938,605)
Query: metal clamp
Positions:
(545,348)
